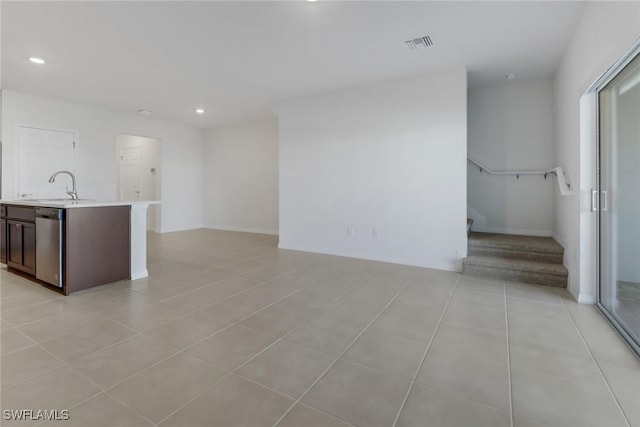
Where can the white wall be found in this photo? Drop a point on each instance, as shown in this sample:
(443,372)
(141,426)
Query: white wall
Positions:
(97,169)
(511,128)
(390,156)
(604,33)
(241,177)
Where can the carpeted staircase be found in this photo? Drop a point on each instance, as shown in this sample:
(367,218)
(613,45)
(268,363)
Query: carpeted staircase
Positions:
(524,259)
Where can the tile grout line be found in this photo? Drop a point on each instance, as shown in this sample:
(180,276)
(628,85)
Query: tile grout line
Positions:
(71,407)
(102,389)
(426,351)
(217,302)
(62,364)
(184,350)
(30,306)
(33,342)
(595,361)
(346,349)
(258,311)
(291,398)
(206,390)
(506,321)
(89,380)
(357,284)
(159,301)
(537,301)
(235,371)
(139,333)
(239,261)
(443,391)
(199,288)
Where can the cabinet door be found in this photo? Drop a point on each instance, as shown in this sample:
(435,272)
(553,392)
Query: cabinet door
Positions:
(29,248)
(21,246)
(3,241)
(14,244)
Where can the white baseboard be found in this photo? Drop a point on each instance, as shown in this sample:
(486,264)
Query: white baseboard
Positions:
(517,231)
(174,230)
(243,229)
(140,274)
(442,263)
(584,298)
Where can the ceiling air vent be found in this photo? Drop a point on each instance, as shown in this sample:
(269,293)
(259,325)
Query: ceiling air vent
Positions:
(419,42)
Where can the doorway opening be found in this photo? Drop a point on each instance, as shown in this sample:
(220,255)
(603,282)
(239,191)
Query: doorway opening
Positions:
(139,173)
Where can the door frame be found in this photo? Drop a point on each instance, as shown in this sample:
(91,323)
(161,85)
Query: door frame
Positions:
(158,178)
(595,89)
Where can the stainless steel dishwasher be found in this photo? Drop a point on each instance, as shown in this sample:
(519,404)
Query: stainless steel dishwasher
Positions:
(49,223)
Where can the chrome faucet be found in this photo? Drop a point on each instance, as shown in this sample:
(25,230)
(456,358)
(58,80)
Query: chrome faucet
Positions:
(74,192)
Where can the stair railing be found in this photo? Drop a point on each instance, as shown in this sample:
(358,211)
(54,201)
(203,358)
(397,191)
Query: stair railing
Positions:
(565,187)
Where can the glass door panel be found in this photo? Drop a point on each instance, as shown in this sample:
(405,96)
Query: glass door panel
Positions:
(618,201)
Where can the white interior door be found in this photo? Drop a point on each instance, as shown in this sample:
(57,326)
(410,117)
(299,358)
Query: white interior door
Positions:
(130,173)
(42,152)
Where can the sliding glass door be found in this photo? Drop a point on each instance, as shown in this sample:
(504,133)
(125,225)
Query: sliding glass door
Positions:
(617,200)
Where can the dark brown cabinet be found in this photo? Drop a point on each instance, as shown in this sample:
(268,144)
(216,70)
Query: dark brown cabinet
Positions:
(21,246)
(20,239)
(3,241)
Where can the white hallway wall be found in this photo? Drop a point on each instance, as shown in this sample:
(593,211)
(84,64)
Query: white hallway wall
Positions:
(96,131)
(511,128)
(604,33)
(389,156)
(241,177)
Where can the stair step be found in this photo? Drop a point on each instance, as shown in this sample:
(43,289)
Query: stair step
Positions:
(528,248)
(516,270)
(550,258)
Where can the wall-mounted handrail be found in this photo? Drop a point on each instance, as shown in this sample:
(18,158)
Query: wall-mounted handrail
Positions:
(565,188)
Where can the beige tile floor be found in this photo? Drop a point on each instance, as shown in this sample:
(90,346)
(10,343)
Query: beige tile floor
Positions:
(228,330)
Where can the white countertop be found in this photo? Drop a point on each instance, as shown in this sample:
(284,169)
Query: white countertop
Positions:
(68,203)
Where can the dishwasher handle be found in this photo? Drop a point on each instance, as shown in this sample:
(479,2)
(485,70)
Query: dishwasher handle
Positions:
(50,213)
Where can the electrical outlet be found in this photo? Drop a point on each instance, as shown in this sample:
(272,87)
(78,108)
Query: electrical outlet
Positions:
(351,230)
(374,232)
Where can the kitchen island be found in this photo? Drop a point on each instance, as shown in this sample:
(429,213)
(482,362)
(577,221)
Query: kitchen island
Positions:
(75,244)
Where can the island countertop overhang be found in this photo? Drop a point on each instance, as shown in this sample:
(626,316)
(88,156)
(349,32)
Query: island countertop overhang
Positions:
(70,204)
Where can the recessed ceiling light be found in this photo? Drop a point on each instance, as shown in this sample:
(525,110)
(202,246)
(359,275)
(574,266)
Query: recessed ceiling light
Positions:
(199,111)
(311,1)
(143,112)
(511,76)
(36,60)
